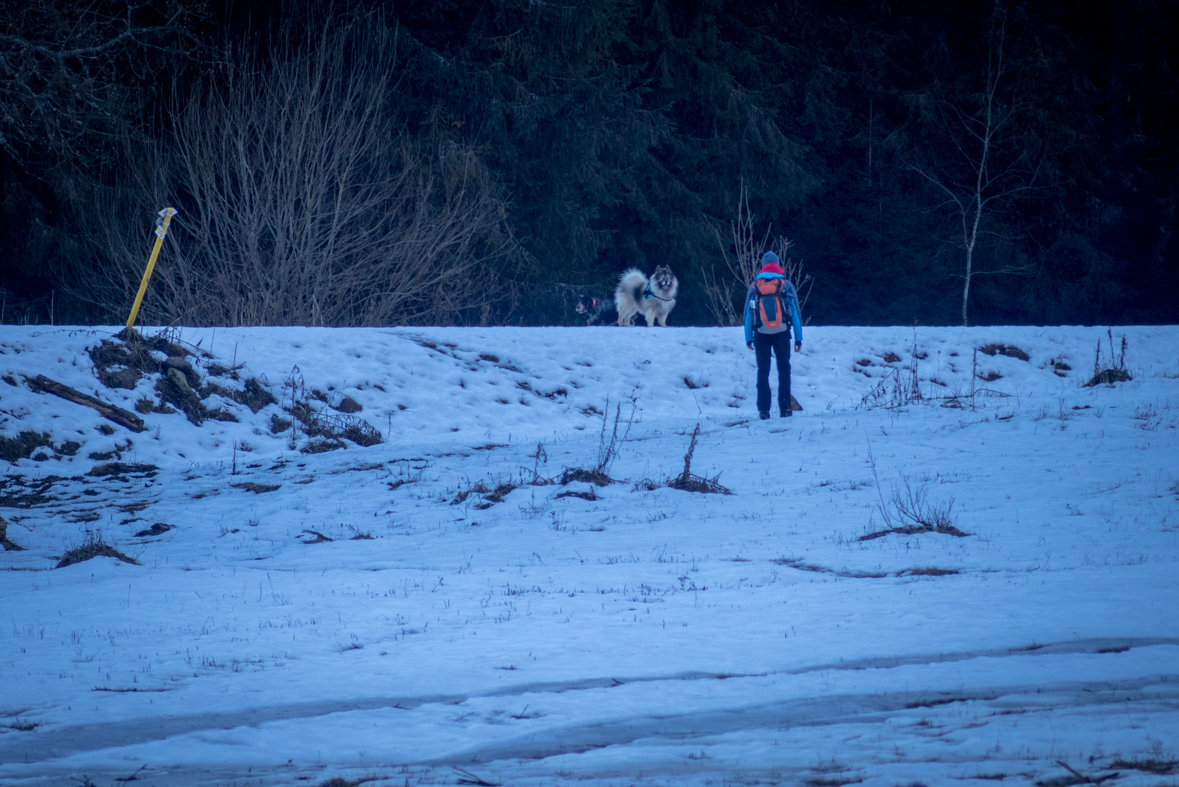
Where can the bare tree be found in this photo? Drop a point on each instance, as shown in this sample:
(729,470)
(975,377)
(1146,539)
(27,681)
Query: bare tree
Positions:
(303,202)
(993,158)
(742,260)
(67,68)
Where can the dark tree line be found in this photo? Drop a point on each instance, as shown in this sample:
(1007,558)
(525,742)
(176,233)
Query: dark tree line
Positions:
(485,162)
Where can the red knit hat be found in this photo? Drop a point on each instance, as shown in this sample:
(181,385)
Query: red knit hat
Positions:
(773,267)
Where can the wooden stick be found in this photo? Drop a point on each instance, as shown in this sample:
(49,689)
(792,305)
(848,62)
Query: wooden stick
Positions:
(120,416)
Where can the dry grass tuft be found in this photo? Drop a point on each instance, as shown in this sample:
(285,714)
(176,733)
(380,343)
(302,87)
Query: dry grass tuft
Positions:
(94,546)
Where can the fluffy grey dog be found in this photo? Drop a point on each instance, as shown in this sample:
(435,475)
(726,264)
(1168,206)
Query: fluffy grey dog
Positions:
(653,298)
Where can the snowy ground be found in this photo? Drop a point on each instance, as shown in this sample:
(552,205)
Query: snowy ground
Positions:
(635,634)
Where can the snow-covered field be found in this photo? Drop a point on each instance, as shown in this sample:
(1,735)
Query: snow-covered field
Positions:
(473,620)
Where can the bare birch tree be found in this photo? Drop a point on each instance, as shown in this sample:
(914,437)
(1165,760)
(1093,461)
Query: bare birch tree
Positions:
(993,158)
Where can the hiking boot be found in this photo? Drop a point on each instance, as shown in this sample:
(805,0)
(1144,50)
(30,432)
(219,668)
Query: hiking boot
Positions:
(763,415)
(787,413)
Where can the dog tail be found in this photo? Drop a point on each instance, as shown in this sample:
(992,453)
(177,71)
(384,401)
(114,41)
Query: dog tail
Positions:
(630,287)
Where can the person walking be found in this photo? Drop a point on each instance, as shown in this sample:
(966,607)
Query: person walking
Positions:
(771,307)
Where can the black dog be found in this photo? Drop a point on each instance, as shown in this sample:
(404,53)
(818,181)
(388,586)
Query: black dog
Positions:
(600,312)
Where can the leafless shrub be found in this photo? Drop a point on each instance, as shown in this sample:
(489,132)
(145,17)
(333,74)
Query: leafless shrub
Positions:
(301,202)
(909,511)
(723,289)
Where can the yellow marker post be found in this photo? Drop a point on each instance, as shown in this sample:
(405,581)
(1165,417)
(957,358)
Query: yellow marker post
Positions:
(161,230)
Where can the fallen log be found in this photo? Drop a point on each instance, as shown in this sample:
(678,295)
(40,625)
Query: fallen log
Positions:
(109,411)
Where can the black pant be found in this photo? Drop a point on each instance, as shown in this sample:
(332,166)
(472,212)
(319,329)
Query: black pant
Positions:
(780,344)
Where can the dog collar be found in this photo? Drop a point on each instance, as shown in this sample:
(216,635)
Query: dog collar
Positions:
(647,293)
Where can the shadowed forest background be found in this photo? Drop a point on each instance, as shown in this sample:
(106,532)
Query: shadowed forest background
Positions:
(487,162)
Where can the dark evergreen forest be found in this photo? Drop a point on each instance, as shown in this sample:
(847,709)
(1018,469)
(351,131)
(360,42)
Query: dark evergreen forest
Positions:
(488,161)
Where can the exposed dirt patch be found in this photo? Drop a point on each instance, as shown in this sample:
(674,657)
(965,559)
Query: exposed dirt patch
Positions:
(322,446)
(912,530)
(258,489)
(590,495)
(800,565)
(936,702)
(158,529)
(833,781)
(1008,350)
(929,571)
(175,389)
(122,469)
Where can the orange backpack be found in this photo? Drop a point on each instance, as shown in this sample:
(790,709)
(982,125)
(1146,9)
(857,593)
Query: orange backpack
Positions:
(772,310)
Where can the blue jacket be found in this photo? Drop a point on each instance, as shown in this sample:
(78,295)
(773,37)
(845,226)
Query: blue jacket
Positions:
(789,295)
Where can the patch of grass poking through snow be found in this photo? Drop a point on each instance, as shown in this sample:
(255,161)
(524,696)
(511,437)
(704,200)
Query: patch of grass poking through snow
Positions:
(330,429)
(257,489)
(1116,372)
(466,777)
(94,546)
(13,449)
(832,781)
(1007,350)
(1151,765)
(340,781)
(1075,777)
(609,443)
(491,495)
